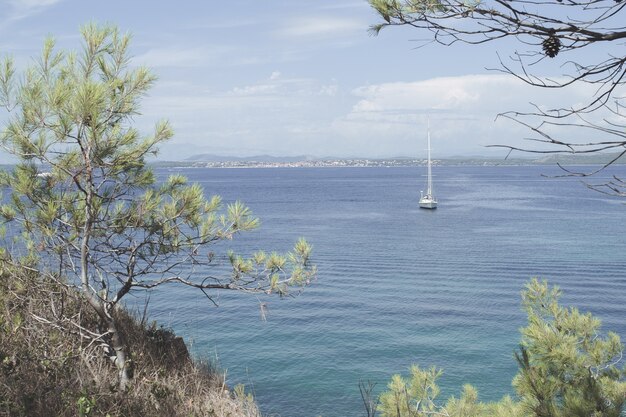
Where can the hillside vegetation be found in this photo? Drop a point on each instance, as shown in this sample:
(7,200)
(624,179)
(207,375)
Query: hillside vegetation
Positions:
(48,367)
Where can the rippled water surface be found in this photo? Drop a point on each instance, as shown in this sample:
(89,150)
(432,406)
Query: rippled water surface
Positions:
(398,285)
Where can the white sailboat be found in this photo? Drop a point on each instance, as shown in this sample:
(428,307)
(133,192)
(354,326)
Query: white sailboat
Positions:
(428,200)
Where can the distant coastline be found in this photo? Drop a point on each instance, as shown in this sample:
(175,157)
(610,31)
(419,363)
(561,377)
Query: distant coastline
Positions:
(309,162)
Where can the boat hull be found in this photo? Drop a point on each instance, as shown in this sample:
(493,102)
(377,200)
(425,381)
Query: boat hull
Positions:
(428,204)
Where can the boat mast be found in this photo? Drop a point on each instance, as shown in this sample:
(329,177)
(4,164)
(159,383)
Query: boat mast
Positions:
(429,192)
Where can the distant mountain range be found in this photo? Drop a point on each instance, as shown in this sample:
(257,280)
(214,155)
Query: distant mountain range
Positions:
(282,159)
(569,159)
(541,159)
(212,160)
(257,158)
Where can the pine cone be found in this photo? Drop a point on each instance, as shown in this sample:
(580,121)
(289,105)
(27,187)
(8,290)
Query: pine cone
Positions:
(551,46)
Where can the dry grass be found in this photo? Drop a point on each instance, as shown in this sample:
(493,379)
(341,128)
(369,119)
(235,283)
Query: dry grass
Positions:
(51,365)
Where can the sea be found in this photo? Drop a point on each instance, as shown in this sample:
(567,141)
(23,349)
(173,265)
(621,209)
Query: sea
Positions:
(398,285)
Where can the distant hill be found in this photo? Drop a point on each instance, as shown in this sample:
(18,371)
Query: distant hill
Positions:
(576,159)
(257,158)
(211,160)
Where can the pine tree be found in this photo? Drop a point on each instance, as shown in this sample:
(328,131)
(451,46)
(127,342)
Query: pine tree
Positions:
(88,208)
(566,369)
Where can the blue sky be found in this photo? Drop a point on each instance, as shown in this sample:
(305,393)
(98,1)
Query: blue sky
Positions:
(294,77)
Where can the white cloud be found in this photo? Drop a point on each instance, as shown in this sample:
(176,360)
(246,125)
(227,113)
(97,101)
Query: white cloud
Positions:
(391,117)
(21,9)
(281,87)
(278,115)
(211,24)
(283,115)
(320,27)
(328,90)
(29,4)
(347,5)
(192,57)
(460,93)
(165,57)
(255,90)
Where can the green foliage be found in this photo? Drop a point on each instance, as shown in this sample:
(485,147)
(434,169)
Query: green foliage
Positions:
(397,10)
(413,397)
(82,187)
(88,206)
(566,367)
(245,398)
(566,370)
(85,405)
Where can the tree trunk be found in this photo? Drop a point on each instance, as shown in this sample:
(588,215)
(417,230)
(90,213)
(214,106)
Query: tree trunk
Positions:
(100,305)
(120,355)
(116,348)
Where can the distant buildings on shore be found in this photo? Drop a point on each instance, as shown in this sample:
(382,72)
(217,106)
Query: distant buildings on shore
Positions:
(390,162)
(359,162)
(330,163)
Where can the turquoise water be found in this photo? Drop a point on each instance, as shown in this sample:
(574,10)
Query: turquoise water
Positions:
(398,285)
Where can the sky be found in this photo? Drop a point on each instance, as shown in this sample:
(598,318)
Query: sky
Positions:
(286,78)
